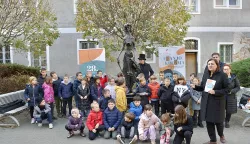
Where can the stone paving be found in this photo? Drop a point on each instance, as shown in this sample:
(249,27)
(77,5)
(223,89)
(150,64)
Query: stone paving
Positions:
(31,134)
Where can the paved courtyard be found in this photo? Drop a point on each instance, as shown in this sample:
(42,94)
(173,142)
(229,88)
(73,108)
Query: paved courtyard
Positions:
(31,134)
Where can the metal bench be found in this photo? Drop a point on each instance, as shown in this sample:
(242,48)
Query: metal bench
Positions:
(247,117)
(10,97)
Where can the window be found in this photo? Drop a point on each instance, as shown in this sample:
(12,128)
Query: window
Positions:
(226,53)
(193,6)
(5,54)
(75,6)
(150,56)
(88,44)
(40,59)
(228,4)
(191,44)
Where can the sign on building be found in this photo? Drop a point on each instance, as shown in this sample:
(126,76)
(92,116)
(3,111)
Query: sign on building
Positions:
(91,60)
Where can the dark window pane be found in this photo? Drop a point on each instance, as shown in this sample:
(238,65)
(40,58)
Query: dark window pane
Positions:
(92,45)
(222,53)
(1,60)
(1,55)
(1,49)
(149,55)
(7,48)
(191,44)
(7,55)
(36,63)
(84,45)
(232,2)
(7,61)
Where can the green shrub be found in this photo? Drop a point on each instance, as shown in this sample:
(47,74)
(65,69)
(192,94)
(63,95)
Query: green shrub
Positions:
(13,83)
(8,70)
(242,70)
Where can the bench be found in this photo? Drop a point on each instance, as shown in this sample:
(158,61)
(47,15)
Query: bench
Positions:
(10,97)
(247,117)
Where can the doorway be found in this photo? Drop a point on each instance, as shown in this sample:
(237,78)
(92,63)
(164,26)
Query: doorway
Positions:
(191,63)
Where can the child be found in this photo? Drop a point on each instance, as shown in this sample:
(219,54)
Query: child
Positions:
(42,111)
(41,78)
(196,103)
(66,94)
(161,78)
(181,93)
(75,123)
(111,87)
(140,76)
(165,94)
(95,121)
(183,125)
(56,84)
(83,93)
(31,93)
(49,94)
(148,124)
(154,99)
(136,108)
(103,78)
(103,103)
(112,119)
(76,83)
(121,99)
(96,90)
(127,129)
(166,129)
(143,91)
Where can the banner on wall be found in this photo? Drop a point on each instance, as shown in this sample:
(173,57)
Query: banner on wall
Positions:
(91,60)
(172,60)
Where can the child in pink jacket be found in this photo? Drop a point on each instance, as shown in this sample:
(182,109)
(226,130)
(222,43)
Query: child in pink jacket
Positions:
(49,93)
(148,124)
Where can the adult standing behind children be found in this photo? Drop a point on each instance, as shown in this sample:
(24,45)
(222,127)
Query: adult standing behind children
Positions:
(121,99)
(76,84)
(56,84)
(231,100)
(213,101)
(145,67)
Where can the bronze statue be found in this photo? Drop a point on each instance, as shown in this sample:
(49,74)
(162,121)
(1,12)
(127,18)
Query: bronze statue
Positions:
(130,68)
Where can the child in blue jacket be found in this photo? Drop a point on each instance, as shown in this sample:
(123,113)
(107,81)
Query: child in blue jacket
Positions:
(112,119)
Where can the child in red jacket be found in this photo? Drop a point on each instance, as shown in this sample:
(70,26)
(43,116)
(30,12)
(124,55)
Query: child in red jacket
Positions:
(103,78)
(95,121)
(154,87)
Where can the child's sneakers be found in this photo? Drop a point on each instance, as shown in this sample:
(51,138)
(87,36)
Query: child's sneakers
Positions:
(40,124)
(70,134)
(133,140)
(119,138)
(51,126)
(153,142)
(32,121)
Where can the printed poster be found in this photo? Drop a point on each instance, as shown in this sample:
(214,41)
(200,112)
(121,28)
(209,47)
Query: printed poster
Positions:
(209,85)
(172,60)
(91,60)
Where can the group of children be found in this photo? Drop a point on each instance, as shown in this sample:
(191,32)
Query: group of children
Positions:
(106,110)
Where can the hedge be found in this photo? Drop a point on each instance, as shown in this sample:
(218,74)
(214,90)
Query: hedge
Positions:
(242,70)
(8,70)
(13,83)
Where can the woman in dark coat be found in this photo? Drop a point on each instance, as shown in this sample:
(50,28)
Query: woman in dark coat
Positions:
(213,100)
(231,100)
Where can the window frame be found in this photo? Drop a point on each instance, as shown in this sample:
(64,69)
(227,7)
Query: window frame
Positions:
(78,47)
(226,43)
(154,56)
(75,6)
(47,59)
(198,7)
(227,6)
(4,55)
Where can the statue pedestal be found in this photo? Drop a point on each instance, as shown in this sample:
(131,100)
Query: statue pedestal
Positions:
(129,98)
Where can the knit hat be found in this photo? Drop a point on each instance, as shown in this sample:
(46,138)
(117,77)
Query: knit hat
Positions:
(39,100)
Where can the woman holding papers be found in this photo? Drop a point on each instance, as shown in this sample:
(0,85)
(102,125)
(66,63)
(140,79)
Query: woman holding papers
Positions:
(215,85)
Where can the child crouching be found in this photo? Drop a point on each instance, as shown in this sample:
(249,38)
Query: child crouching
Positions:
(148,124)
(42,111)
(183,125)
(95,121)
(112,119)
(166,129)
(127,129)
(75,123)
